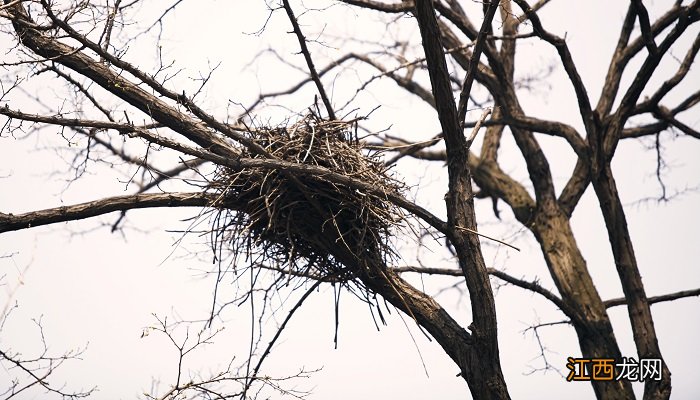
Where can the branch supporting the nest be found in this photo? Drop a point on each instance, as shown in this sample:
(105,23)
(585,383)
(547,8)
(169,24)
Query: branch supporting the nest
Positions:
(521,283)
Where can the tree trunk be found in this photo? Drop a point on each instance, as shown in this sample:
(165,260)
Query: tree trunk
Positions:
(568,268)
(632,286)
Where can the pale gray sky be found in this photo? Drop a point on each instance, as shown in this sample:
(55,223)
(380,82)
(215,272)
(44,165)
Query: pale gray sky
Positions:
(94,288)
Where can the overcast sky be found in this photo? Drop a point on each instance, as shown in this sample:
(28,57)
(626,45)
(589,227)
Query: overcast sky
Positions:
(97,289)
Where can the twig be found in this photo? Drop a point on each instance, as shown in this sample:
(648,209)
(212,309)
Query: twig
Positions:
(487,237)
(254,375)
(476,128)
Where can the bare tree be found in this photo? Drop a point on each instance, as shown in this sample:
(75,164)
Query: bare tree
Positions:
(315,201)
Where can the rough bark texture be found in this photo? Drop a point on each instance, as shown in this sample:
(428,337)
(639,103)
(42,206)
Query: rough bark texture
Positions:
(482,369)
(620,240)
(592,324)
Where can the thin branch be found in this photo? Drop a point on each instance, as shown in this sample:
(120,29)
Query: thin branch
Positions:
(474,62)
(487,237)
(649,104)
(309,60)
(618,62)
(267,351)
(521,283)
(655,299)
(567,61)
(643,75)
(476,128)
(70,122)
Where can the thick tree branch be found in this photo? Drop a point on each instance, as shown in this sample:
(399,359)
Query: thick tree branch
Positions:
(575,186)
(238,162)
(70,122)
(460,213)
(644,25)
(10,222)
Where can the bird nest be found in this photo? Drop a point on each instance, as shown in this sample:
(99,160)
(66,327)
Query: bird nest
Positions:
(298,222)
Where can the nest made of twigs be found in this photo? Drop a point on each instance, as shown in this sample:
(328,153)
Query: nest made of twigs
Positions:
(299,222)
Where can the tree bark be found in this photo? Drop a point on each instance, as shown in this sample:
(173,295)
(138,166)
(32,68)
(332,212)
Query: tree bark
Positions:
(626,263)
(570,273)
(482,366)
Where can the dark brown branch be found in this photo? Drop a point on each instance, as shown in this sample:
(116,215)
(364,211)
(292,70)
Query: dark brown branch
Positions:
(521,283)
(309,61)
(536,288)
(643,75)
(486,381)
(664,114)
(567,61)
(575,186)
(666,120)
(465,26)
(644,25)
(535,7)
(618,62)
(411,149)
(686,104)
(484,74)
(10,222)
(404,6)
(649,104)
(474,62)
(553,128)
(69,122)
(656,299)
(408,84)
(644,130)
